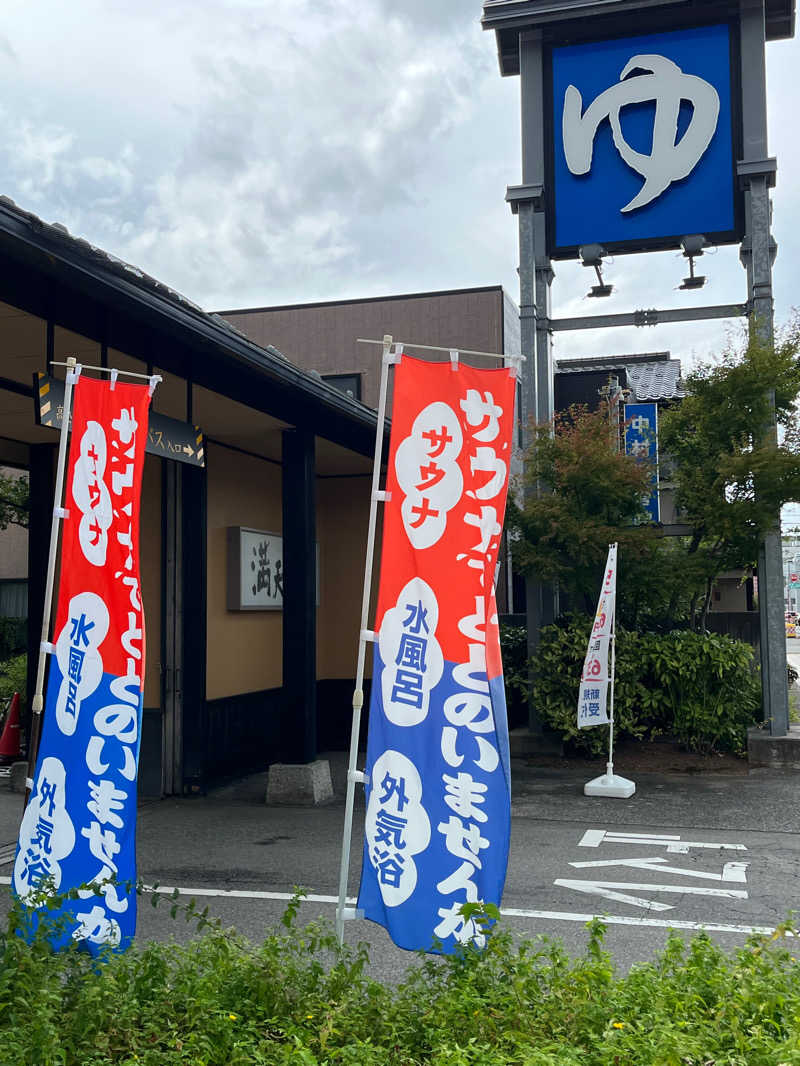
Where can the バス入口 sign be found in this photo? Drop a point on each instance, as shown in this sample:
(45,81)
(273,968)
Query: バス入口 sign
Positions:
(168,438)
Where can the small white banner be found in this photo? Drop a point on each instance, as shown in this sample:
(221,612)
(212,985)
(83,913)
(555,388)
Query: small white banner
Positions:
(595,665)
(595,677)
(592,704)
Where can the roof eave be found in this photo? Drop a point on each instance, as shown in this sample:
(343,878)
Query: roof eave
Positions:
(55,247)
(509,18)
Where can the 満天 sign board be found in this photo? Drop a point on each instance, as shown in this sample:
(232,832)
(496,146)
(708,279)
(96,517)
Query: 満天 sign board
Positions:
(644,141)
(255,570)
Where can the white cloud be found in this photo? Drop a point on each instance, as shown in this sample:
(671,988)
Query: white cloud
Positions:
(249,153)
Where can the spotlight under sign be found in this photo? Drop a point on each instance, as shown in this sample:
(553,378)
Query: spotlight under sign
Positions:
(644,141)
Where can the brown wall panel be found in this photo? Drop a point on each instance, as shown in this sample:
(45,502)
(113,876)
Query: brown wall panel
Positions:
(244,647)
(323,337)
(342,522)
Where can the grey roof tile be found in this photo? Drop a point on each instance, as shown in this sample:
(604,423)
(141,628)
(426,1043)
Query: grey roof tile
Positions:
(650,375)
(656,381)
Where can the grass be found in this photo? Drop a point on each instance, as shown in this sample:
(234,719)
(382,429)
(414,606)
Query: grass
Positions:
(297,998)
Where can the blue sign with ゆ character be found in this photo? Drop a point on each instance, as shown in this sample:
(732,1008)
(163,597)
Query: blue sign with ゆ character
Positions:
(643,139)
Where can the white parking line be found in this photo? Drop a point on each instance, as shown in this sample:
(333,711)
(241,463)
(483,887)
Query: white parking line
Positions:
(593,838)
(731,871)
(509,912)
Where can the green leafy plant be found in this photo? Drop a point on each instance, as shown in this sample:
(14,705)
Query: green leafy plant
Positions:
(701,687)
(297,997)
(731,474)
(516,672)
(13,677)
(14,500)
(13,637)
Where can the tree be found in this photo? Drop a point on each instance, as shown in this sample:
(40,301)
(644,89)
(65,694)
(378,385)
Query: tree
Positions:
(584,494)
(14,501)
(731,475)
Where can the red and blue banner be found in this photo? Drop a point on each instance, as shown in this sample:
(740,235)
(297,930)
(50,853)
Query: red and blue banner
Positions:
(438,795)
(78,830)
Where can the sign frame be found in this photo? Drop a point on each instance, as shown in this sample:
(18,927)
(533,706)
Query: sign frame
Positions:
(234,598)
(653,505)
(664,242)
(185,442)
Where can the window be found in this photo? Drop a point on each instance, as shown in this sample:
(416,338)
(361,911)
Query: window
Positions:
(349,384)
(13,599)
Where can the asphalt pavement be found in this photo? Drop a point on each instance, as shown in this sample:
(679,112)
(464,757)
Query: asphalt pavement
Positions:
(715,851)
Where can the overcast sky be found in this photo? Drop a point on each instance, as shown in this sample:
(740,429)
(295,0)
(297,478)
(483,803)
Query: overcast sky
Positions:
(260,152)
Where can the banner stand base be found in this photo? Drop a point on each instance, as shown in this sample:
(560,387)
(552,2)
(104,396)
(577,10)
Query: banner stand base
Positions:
(610,785)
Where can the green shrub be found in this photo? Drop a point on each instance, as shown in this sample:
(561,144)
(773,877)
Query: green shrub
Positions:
(715,690)
(299,998)
(13,678)
(13,637)
(514,647)
(701,687)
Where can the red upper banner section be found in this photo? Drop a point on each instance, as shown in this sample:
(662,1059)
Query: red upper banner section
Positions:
(100,544)
(448,477)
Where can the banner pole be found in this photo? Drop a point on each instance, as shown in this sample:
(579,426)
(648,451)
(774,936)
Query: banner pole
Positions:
(609,784)
(37,704)
(354,776)
(610,767)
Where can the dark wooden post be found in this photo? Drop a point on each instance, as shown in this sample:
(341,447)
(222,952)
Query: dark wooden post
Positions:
(299,595)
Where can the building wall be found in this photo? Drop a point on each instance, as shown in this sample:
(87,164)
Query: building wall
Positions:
(730,593)
(342,525)
(244,647)
(323,337)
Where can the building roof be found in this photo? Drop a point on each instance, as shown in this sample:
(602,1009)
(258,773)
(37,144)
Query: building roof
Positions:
(651,376)
(434,294)
(509,18)
(656,381)
(54,250)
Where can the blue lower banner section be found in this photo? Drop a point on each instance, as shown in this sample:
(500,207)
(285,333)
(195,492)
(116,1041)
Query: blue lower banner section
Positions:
(78,831)
(438,812)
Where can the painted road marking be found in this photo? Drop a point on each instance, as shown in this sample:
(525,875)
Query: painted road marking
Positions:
(731,871)
(509,912)
(611,890)
(620,891)
(593,838)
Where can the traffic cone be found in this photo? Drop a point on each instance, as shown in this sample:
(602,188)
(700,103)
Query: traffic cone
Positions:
(10,750)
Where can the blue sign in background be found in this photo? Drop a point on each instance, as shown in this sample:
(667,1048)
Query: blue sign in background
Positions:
(588,207)
(641,440)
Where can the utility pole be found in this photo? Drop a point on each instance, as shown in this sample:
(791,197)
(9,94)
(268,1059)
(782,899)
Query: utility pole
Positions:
(757,175)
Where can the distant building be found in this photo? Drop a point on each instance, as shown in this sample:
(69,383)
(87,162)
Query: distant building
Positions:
(230,687)
(323,337)
(649,377)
